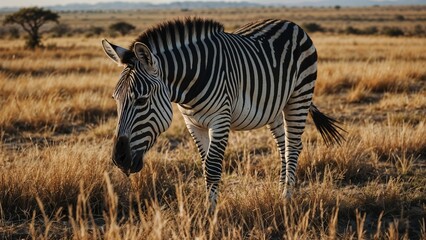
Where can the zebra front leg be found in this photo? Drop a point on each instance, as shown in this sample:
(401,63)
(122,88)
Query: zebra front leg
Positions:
(201,138)
(277,130)
(213,165)
(211,144)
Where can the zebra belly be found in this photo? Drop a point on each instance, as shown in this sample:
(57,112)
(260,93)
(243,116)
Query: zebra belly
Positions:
(249,114)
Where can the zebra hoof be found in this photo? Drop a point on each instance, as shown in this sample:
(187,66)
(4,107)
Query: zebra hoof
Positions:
(212,209)
(288,193)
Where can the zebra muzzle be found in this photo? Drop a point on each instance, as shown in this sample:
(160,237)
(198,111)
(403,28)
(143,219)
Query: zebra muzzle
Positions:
(137,162)
(121,155)
(123,158)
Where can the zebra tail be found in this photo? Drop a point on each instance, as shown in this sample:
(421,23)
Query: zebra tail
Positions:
(327,126)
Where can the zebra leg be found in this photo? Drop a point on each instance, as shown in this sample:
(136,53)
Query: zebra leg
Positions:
(294,124)
(277,130)
(201,138)
(213,165)
(211,144)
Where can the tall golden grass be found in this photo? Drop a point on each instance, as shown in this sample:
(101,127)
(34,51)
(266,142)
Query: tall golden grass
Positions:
(57,180)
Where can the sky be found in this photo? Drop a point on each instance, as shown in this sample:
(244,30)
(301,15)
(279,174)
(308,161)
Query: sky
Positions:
(41,3)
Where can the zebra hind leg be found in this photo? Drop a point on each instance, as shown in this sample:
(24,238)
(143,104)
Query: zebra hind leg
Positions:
(294,124)
(277,130)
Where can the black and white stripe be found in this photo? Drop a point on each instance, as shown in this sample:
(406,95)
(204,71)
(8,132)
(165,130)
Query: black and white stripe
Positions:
(263,74)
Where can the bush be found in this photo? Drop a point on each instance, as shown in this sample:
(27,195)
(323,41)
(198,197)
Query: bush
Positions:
(79,31)
(123,28)
(96,30)
(9,32)
(112,34)
(2,33)
(393,31)
(370,30)
(14,32)
(312,27)
(61,30)
(400,17)
(418,30)
(352,30)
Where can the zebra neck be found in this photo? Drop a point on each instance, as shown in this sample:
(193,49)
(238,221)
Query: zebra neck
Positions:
(182,73)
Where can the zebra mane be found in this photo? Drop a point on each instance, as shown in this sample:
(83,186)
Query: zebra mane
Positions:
(191,27)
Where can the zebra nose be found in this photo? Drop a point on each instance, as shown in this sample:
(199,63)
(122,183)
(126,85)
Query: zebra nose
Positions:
(137,162)
(121,155)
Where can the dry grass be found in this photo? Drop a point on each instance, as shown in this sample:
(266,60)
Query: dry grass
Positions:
(57,180)
(376,76)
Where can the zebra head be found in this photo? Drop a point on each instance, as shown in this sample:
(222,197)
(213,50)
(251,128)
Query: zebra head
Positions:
(143,105)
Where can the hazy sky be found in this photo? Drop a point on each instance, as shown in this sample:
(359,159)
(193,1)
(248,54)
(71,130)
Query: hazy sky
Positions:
(26,3)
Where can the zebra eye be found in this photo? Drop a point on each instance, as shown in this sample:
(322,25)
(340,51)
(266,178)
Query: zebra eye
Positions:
(141,101)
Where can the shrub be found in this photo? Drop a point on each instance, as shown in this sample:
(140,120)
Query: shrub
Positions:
(352,30)
(61,30)
(14,32)
(78,31)
(370,30)
(123,28)
(96,30)
(112,34)
(400,17)
(392,31)
(418,30)
(312,27)
(2,33)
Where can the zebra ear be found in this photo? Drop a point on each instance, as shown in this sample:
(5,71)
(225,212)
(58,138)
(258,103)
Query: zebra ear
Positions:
(143,53)
(116,53)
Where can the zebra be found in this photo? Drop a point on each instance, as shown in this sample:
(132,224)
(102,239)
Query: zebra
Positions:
(262,74)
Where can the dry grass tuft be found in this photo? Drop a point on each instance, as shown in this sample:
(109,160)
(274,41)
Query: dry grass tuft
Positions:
(389,75)
(390,140)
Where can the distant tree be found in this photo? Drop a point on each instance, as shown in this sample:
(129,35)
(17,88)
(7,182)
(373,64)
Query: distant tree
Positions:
(123,28)
(31,19)
(337,7)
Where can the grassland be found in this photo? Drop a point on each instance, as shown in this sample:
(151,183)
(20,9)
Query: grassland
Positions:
(329,18)
(57,118)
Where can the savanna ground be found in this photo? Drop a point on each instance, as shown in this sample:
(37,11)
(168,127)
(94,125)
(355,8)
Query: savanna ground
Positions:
(57,180)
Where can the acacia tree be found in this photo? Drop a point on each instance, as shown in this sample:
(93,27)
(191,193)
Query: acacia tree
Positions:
(31,19)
